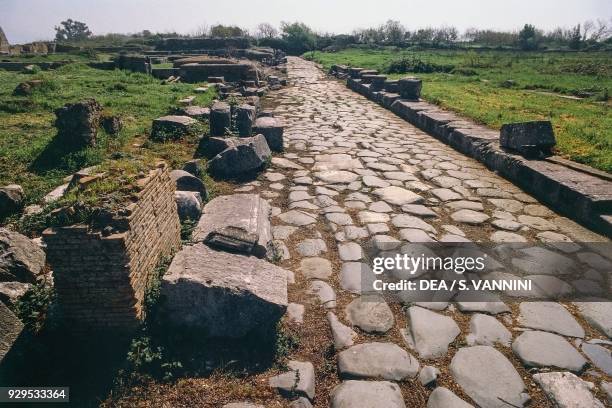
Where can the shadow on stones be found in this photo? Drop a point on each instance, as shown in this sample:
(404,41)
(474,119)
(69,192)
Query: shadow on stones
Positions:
(97,365)
(58,156)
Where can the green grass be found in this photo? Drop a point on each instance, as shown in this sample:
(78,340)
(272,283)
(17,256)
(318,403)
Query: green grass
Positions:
(28,155)
(476,89)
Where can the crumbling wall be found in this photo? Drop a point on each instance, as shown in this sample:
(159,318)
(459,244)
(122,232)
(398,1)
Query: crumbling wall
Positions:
(101,280)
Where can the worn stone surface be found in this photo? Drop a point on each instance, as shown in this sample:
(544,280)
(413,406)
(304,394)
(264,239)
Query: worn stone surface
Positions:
(11,330)
(223,294)
(186,181)
(173,127)
(20,258)
(430,333)
(188,205)
(371,314)
(542,349)
(244,157)
(77,123)
(238,223)
(299,380)
(220,119)
(549,316)
(565,390)
(367,394)
(488,377)
(487,331)
(272,129)
(444,398)
(377,360)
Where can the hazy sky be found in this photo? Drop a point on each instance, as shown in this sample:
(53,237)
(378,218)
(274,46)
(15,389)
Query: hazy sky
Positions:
(29,20)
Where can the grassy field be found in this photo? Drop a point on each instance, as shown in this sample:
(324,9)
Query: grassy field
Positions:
(499,87)
(29,158)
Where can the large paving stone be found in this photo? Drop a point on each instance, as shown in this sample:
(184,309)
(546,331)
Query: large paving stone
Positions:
(336,176)
(223,294)
(542,349)
(487,377)
(370,313)
(599,355)
(316,268)
(377,360)
(397,195)
(238,223)
(565,390)
(298,218)
(350,251)
(469,217)
(324,292)
(444,398)
(298,381)
(549,316)
(311,247)
(598,314)
(324,162)
(410,221)
(487,331)
(367,394)
(430,333)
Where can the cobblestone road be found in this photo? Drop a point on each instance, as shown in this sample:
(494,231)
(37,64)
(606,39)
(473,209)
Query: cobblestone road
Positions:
(352,171)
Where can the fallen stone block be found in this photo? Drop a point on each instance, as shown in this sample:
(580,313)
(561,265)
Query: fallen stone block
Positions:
(245,116)
(11,292)
(172,127)
(244,157)
(220,119)
(11,199)
(21,259)
(187,182)
(223,294)
(530,139)
(188,205)
(237,223)
(196,112)
(410,88)
(272,129)
(77,123)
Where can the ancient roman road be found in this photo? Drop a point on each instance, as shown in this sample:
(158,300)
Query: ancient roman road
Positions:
(353,171)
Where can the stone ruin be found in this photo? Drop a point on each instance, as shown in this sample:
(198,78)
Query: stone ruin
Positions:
(100,278)
(77,124)
(4,44)
(220,286)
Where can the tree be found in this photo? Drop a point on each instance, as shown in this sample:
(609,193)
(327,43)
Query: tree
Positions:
(71,31)
(223,31)
(266,30)
(528,38)
(394,31)
(298,37)
(575,38)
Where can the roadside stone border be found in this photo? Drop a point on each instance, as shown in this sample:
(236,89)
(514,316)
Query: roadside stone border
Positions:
(580,195)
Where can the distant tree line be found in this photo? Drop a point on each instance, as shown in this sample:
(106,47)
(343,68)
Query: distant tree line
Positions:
(297,37)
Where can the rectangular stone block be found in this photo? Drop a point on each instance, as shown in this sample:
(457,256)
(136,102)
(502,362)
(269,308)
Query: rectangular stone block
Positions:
(410,88)
(531,139)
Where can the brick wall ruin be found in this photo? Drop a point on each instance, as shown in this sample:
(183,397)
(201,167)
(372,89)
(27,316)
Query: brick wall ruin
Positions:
(101,281)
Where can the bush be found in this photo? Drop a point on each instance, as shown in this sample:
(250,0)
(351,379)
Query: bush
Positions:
(415,64)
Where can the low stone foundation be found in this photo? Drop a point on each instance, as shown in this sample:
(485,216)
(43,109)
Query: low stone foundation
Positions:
(101,280)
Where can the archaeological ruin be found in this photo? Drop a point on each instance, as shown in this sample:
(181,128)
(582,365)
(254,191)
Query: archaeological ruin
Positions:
(298,181)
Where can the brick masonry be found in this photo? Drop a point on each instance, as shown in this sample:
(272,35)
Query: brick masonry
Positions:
(101,281)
